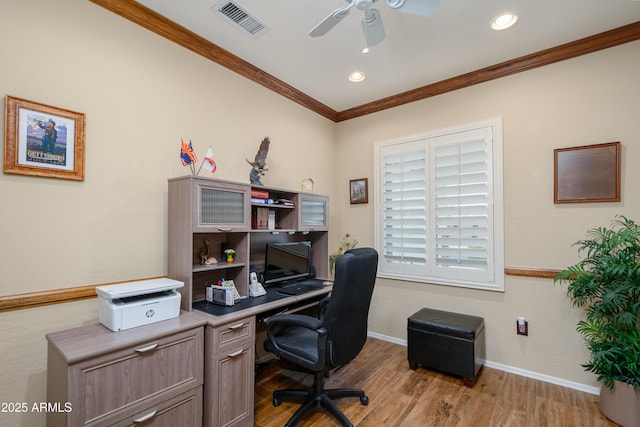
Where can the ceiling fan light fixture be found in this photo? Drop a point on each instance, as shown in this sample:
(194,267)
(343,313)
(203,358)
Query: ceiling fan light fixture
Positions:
(504,21)
(357,77)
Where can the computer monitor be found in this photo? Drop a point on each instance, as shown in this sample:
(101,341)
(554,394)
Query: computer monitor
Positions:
(286,261)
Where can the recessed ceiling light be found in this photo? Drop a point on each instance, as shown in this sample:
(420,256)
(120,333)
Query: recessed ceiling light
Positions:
(504,21)
(356,77)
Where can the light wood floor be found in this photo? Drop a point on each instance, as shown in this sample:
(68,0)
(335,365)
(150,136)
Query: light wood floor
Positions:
(401,397)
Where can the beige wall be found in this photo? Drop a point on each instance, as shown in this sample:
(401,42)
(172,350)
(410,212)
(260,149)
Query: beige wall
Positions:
(588,100)
(140,94)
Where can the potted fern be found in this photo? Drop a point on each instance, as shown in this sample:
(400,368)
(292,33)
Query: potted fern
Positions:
(607,283)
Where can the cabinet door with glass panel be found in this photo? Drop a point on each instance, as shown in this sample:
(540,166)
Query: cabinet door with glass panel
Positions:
(221,206)
(313,212)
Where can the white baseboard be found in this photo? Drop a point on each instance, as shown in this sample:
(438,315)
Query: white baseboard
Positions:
(387,338)
(511,369)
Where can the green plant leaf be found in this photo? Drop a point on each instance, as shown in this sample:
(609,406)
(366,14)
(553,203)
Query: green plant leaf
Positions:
(606,282)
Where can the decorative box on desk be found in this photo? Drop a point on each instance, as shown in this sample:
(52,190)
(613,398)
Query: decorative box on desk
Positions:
(448,342)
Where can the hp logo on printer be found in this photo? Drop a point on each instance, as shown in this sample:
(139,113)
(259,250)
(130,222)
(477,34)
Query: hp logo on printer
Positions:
(150,313)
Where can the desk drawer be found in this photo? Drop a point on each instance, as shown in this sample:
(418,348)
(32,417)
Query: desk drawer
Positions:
(186,409)
(231,334)
(123,382)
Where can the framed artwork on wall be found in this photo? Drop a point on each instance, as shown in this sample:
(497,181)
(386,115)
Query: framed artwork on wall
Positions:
(42,140)
(359,191)
(589,173)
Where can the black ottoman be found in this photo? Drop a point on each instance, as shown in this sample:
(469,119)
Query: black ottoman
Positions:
(448,342)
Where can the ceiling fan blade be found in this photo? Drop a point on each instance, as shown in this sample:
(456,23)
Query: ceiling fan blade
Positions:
(415,7)
(372,27)
(330,21)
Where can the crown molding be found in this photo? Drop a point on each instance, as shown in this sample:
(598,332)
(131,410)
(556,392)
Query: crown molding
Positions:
(621,35)
(147,18)
(154,22)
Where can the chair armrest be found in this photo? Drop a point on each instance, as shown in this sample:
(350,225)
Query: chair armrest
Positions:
(294,319)
(300,355)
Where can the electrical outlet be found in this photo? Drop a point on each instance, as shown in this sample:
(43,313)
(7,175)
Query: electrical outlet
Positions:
(522,326)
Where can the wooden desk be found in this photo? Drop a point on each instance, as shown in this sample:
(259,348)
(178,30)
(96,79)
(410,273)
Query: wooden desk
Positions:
(165,368)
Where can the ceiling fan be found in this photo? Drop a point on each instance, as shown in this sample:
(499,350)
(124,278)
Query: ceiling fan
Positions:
(371,20)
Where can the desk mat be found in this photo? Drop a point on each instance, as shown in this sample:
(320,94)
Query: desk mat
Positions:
(219,310)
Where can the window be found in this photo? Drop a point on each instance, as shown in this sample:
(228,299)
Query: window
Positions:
(439,207)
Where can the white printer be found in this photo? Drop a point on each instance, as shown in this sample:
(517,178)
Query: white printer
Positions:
(132,304)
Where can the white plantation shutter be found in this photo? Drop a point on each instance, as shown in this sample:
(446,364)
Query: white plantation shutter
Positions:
(404,234)
(461,205)
(438,213)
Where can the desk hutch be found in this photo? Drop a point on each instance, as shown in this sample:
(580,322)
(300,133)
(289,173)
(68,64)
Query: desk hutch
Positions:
(221,214)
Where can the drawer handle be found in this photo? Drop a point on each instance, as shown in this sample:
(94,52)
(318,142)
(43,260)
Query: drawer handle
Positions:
(237,326)
(146,348)
(235,353)
(146,417)
(225,229)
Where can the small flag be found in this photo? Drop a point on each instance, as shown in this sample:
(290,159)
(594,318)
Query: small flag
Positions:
(187,155)
(208,162)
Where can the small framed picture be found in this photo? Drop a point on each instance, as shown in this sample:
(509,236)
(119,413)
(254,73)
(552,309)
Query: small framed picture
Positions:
(42,140)
(359,191)
(589,173)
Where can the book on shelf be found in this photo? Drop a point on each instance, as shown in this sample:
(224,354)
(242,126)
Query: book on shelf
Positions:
(261,219)
(284,202)
(271,220)
(259,201)
(259,194)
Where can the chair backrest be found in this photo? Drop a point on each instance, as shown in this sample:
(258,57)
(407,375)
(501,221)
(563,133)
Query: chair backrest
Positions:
(348,309)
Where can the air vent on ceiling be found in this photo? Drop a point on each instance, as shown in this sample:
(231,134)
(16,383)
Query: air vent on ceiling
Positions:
(240,18)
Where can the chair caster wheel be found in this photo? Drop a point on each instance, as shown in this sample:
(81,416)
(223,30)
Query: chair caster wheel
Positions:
(364,400)
(276,402)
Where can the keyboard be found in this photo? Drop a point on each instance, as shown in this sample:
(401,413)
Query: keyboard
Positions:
(301,287)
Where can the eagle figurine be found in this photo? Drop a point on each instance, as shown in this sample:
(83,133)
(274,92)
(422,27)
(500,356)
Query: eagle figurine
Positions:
(259,165)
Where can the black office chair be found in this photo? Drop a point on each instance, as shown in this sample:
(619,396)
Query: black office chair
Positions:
(330,341)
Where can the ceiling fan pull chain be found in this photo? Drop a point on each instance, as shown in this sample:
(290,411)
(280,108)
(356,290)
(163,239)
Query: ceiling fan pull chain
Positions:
(365,50)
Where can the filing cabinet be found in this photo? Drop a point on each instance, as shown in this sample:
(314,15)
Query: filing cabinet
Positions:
(150,373)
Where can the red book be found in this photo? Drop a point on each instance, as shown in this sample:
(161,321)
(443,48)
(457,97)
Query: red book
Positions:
(259,194)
